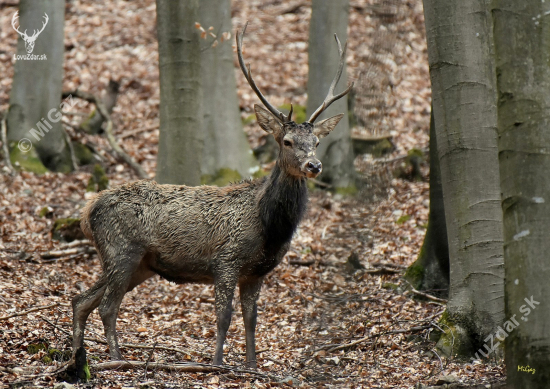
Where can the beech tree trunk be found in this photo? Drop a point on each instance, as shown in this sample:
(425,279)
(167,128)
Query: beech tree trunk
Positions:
(34,117)
(461,59)
(180,141)
(522,42)
(225,145)
(327,18)
(430,272)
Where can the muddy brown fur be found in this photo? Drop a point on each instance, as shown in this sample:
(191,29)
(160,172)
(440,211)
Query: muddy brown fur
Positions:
(227,236)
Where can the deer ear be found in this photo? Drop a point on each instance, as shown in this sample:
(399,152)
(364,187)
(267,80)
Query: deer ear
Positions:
(324,127)
(266,120)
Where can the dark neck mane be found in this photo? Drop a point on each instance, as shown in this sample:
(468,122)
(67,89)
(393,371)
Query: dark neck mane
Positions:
(282,206)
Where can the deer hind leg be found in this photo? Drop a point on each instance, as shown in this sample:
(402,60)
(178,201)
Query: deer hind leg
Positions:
(224,284)
(249,291)
(142,274)
(121,275)
(83,305)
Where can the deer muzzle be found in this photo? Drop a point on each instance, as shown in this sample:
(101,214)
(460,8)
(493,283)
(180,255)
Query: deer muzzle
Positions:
(312,167)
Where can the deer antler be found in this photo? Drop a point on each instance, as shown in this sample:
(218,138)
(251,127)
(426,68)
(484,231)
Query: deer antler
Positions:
(15,17)
(248,75)
(35,34)
(330,95)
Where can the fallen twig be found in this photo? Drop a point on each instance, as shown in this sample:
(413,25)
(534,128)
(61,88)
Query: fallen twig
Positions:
(75,243)
(274,361)
(428,296)
(390,264)
(356,342)
(29,311)
(429,318)
(67,252)
(437,300)
(71,148)
(127,134)
(149,360)
(382,270)
(109,130)
(257,352)
(181,367)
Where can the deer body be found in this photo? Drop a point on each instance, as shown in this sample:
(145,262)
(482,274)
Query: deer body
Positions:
(187,232)
(227,236)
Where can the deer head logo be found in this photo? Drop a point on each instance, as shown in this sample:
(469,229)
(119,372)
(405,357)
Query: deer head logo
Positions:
(29,40)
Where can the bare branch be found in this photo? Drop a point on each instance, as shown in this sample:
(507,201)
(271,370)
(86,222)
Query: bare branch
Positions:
(71,148)
(70,251)
(358,341)
(428,296)
(29,311)
(128,134)
(185,367)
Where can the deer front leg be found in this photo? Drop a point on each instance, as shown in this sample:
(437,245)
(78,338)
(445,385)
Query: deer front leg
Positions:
(250,290)
(225,283)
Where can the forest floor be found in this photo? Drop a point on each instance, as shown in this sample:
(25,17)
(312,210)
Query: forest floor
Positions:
(321,323)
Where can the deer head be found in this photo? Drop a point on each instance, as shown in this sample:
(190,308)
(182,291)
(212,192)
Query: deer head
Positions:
(297,142)
(29,40)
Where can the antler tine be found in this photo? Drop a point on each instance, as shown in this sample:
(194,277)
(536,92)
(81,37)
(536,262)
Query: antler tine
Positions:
(330,95)
(13,19)
(38,32)
(248,75)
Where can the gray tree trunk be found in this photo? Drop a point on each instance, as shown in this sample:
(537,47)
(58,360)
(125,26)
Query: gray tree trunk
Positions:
(430,272)
(36,89)
(329,17)
(522,41)
(461,60)
(225,145)
(180,142)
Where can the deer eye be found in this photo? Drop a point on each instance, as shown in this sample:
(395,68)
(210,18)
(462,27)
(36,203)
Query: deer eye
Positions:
(287,143)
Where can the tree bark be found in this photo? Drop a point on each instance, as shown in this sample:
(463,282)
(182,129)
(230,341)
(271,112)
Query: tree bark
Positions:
(430,272)
(36,89)
(522,41)
(180,141)
(225,145)
(329,17)
(461,59)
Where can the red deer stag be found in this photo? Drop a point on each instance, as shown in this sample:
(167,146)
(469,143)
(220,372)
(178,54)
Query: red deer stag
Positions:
(227,236)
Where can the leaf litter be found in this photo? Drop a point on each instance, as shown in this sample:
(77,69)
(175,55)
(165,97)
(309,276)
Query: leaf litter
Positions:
(321,322)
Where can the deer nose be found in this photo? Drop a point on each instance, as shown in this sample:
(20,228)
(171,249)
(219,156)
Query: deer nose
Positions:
(314,166)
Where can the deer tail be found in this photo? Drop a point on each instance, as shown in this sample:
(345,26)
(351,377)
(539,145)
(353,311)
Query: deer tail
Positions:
(85,218)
